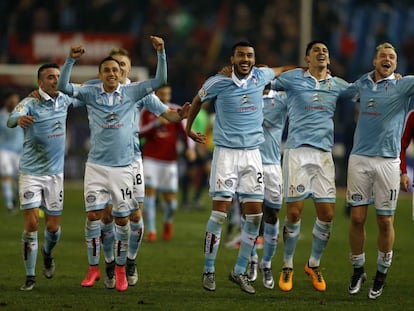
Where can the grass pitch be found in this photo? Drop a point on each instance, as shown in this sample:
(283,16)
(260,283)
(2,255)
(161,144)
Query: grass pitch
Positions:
(170,272)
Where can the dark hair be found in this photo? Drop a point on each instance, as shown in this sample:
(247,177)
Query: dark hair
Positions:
(44,67)
(106,59)
(312,43)
(241,43)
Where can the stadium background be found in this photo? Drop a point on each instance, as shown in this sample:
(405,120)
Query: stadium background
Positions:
(199,35)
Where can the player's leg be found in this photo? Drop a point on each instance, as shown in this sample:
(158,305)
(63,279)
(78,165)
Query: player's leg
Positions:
(96,198)
(30,246)
(136,224)
(359,196)
(121,187)
(321,232)
(151,181)
(271,206)
(7,180)
(30,198)
(250,187)
(170,206)
(386,189)
(53,207)
(107,240)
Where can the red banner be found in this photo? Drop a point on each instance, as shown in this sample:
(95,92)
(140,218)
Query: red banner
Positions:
(54,47)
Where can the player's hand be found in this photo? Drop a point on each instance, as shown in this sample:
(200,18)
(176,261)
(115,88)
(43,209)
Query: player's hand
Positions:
(226,71)
(34,94)
(25,121)
(197,137)
(157,43)
(404,182)
(76,51)
(183,111)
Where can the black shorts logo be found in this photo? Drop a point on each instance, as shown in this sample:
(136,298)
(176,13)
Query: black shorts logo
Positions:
(300,188)
(356,197)
(90,198)
(28,195)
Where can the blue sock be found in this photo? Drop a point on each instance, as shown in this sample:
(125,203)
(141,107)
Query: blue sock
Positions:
(169,210)
(7,193)
(135,237)
(321,232)
(249,234)
(384,261)
(290,237)
(93,242)
(149,213)
(51,240)
(108,238)
(212,239)
(121,243)
(270,233)
(30,247)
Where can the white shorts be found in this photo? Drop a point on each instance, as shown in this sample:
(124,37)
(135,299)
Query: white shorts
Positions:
(273,195)
(139,185)
(237,171)
(374,180)
(308,172)
(105,183)
(9,163)
(45,192)
(161,175)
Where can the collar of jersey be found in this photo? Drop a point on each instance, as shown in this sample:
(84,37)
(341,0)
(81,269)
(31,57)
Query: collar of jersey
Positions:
(116,91)
(371,75)
(240,82)
(307,74)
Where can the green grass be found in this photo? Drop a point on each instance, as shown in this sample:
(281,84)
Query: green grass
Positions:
(170,272)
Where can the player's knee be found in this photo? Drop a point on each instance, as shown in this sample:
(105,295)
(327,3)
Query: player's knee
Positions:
(135,216)
(94,215)
(270,215)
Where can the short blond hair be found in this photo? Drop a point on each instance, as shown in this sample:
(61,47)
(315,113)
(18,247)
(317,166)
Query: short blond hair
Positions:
(119,51)
(385,45)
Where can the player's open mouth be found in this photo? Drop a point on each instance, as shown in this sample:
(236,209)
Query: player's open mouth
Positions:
(388,66)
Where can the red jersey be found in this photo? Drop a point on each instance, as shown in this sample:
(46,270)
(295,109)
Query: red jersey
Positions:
(408,134)
(161,139)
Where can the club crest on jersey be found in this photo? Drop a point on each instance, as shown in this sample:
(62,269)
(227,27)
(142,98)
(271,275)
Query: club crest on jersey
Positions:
(203,92)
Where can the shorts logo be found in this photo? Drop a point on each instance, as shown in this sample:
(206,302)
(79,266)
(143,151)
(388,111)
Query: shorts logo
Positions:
(356,197)
(28,195)
(90,198)
(300,188)
(228,183)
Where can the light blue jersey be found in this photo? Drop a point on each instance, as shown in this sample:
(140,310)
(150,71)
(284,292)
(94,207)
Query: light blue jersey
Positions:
(10,139)
(275,115)
(311,107)
(44,141)
(112,116)
(383,106)
(150,102)
(239,109)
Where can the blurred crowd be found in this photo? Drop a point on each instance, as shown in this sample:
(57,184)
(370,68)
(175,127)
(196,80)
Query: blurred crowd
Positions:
(199,36)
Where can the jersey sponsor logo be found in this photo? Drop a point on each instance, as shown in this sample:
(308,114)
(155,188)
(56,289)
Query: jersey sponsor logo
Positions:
(90,198)
(112,119)
(356,197)
(57,126)
(371,108)
(28,195)
(300,188)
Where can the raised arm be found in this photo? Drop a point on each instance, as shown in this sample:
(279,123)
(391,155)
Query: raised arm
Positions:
(161,73)
(176,115)
(279,70)
(63,84)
